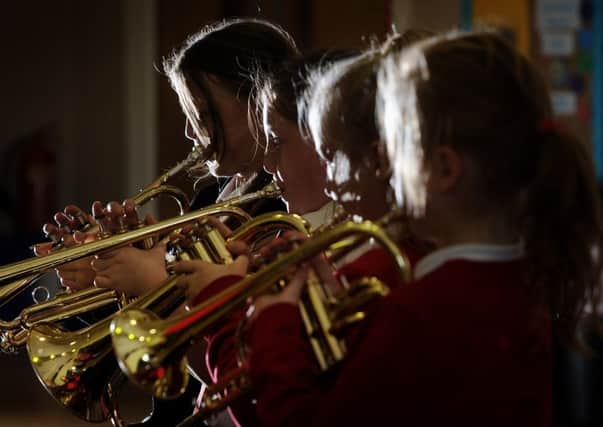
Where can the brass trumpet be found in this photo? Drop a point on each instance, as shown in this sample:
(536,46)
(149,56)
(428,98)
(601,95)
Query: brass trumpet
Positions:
(14,332)
(79,368)
(13,338)
(151,351)
(229,207)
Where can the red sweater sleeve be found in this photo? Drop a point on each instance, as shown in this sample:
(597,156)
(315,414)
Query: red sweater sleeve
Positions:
(223,331)
(215,288)
(222,348)
(287,387)
(452,349)
(282,367)
(221,355)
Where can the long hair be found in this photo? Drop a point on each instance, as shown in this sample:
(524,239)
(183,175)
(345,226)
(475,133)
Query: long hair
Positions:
(282,90)
(340,105)
(476,93)
(233,51)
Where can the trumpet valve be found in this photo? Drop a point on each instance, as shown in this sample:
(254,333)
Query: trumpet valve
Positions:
(147,242)
(40,294)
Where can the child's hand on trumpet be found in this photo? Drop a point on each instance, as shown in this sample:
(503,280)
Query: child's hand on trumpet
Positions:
(298,277)
(128,269)
(67,230)
(200,274)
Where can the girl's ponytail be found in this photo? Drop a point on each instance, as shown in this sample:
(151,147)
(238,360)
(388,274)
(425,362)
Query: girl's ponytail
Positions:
(561,224)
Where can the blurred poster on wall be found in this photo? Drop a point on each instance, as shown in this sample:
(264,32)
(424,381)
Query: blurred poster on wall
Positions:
(563,50)
(557,14)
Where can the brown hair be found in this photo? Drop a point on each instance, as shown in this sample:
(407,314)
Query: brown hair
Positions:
(282,90)
(341,102)
(233,51)
(476,93)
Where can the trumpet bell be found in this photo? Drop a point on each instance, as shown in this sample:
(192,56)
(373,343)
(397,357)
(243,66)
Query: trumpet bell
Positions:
(78,369)
(137,344)
(62,362)
(162,342)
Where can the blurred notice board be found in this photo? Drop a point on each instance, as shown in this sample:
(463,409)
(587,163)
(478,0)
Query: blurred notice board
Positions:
(557,14)
(564,51)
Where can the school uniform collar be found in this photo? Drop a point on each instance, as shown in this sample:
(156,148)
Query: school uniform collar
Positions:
(321,216)
(470,252)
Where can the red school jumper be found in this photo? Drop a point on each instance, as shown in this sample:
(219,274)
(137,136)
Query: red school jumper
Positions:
(222,350)
(463,345)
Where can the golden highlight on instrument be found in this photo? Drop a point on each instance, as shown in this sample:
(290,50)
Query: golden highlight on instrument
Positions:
(226,208)
(79,368)
(151,351)
(14,332)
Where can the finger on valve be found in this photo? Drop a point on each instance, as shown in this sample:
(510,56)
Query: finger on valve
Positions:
(65,222)
(238,247)
(44,248)
(215,222)
(83,237)
(290,294)
(99,215)
(52,232)
(276,247)
(326,273)
(115,217)
(201,274)
(83,221)
(69,241)
(130,214)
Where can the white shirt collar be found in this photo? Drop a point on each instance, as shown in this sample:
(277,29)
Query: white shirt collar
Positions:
(471,252)
(321,216)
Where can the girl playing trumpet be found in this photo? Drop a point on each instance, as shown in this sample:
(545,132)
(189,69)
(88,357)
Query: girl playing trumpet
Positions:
(484,173)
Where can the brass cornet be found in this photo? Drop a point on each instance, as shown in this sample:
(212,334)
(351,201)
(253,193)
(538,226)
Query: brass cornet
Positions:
(79,368)
(55,259)
(14,332)
(151,351)
(229,207)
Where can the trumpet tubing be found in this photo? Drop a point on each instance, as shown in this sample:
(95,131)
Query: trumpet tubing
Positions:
(12,338)
(151,350)
(76,367)
(53,260)
(15,333)
(160,187)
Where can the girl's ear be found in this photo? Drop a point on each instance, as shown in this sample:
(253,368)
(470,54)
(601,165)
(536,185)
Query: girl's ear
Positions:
(446,169)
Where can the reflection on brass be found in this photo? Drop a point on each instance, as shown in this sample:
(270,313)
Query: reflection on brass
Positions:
(53,260)
(77,367)
(151,351)
(38,265)
(73,304)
